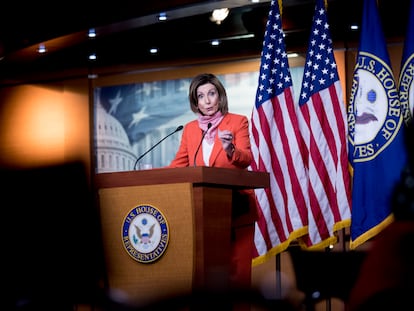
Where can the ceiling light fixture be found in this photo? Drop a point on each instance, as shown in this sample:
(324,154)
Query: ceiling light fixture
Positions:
(215,42)
(162,16)
(219,15)
(41,49)
(92,33)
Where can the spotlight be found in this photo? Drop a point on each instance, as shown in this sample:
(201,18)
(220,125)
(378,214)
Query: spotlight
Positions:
(219,15)
(41,49)
(162,16)
(92,33)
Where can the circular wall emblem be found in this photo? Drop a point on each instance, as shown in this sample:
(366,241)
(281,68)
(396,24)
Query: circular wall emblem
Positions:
(145,233)
(374,114)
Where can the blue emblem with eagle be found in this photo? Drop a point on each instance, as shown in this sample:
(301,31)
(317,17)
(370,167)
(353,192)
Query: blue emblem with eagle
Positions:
(145,233)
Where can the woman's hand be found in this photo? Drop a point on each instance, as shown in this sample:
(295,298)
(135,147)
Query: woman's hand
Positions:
(226,138)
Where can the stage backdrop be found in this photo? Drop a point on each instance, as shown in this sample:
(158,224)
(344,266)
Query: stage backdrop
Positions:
(130,119)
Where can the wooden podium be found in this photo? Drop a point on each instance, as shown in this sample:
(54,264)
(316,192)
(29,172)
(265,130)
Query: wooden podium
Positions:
(196,204)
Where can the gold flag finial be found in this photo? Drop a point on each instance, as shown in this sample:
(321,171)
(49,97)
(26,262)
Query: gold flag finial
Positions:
(280,6)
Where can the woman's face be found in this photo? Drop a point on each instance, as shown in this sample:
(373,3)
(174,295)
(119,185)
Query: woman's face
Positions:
(207,99)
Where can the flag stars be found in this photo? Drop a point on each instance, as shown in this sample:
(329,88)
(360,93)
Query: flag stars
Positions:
(267,25)
(320,66)
(321,12)
(273,72)
(304,95)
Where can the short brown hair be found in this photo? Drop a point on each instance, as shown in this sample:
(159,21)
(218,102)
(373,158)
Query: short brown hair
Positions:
(202,79)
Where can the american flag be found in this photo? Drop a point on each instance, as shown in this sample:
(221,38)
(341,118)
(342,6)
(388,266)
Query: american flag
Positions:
(323,125)
(276,146)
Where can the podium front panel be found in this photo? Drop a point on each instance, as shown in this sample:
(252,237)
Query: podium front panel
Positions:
(173,272)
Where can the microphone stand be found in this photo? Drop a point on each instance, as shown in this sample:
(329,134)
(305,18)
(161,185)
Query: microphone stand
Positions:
(179,128)
(201,141)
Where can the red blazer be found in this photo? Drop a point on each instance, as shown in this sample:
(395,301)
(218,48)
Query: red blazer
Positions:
(191,138)
(244,206)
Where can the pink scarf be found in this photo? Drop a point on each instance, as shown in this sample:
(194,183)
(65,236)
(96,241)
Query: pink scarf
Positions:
(215,120)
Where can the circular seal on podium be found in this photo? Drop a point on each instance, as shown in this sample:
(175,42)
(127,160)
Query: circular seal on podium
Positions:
(145,233)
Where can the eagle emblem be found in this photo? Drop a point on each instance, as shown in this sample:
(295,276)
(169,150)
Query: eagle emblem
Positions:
(145,233)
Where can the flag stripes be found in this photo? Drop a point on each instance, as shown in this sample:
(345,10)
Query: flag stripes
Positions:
(276,147)
(322,120)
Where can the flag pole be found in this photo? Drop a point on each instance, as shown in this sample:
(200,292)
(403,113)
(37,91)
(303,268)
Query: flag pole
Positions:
(278,277)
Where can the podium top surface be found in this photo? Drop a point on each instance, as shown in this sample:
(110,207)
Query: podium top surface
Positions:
(200,175)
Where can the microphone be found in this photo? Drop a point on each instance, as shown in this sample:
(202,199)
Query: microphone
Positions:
(201,141)
(179,128)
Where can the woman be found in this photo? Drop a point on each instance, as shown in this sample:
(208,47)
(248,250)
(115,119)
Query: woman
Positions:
(221,139)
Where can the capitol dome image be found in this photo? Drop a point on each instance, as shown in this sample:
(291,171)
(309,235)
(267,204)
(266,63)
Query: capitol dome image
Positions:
(113,151)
